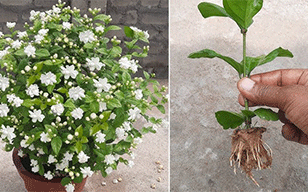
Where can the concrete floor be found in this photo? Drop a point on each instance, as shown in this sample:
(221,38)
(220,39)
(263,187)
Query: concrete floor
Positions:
(200,148)
(139,178)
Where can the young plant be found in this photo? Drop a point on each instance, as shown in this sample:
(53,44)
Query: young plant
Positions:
(247,145)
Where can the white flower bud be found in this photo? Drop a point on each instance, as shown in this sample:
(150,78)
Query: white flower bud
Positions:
(27,68)
(76,134)
(70,137)
(45,94)
(34,68)
(93,115)
(58,119)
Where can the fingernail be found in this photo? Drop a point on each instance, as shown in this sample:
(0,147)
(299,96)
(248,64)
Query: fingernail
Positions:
(247,84)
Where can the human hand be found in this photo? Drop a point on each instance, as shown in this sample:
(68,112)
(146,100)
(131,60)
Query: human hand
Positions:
(286,89)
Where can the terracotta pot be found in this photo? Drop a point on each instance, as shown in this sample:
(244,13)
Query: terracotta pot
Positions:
(37,183)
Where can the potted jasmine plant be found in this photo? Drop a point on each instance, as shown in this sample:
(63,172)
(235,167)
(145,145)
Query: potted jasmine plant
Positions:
(68,100)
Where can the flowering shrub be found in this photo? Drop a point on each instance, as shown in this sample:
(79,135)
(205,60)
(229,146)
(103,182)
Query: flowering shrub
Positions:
(67,95)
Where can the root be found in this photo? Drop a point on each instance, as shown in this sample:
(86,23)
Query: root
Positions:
(250,152)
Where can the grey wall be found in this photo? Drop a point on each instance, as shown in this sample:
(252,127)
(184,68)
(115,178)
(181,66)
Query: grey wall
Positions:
(200,148)
(151,15)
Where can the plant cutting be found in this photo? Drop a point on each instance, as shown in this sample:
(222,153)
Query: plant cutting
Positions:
(68,99)
(248,149)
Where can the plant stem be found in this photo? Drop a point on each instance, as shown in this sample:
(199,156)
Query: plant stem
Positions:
(248,119)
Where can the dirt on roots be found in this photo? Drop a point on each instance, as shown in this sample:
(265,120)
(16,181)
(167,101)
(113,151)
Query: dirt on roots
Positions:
(249,151)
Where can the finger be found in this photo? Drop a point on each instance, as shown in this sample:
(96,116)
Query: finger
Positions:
(292,133)
(261,94)
(283,77)
(283,118)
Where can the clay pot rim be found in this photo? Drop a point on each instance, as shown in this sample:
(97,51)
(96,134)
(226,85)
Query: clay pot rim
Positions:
(20,167)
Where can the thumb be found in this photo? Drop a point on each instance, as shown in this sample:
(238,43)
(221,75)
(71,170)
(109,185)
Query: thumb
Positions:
(260,94)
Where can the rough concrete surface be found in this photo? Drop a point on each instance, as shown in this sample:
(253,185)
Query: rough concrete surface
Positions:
(200,148)
(139,178)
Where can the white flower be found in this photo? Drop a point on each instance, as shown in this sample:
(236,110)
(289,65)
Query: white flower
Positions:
(48,175)
(66,25)
(100,29)
(33,90)
(109,159)
(69,71)
(100,137)
(86,172)
(68,156)
(1,34)
(16,44)
(31,147)
(44,137)
(57,109)
(139,94)
(43,32)
(4,52)
(69,188)
(102,84)
(120,132)
(40,151)
(82,157)
(109,170)
(137,140)
(62,165)
(20,153)
(30,50)
(38,38)
(56,10)
(76,93)
(128,64)
(86,36)
(16,100)
(33,14)
(35,169)
(130,163)
(48,78)
(94,63)
(134,66)
(112,116)
(146,34)
(51,159)
(10,24)
(4,82)
(126,126)
(135,29)
(134,113)
(77,113)
(7,132)
(102,106)
(4,110)
(20,34)
(124,63)
(23,143)
(33,162)
(36,115)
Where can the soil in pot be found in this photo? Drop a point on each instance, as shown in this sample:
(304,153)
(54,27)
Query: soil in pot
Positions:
(249,151)
(37,183)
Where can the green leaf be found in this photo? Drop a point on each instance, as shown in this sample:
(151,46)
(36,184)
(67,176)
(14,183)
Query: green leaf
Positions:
(116,50)
(128,32)
(229,119)
(248,113)
(96,128)
(56,144)
(27,103)
(66,181)
(113,103)
(266,114)
(20,52)
(42,53)
(78,146)
(113,28)
(161,109)
(207,53)
(242,11)
(210,9)
(253,62)
(78,179)
(62,90)
(79,130)
(94,106)
(146,75)
(101,17)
